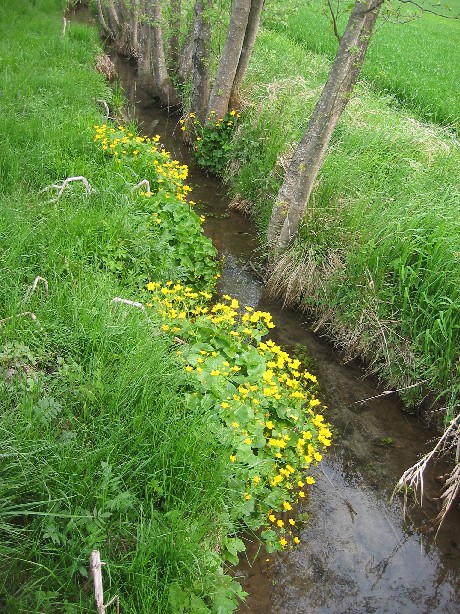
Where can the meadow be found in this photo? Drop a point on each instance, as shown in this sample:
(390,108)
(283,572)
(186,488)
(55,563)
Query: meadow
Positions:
(412,55)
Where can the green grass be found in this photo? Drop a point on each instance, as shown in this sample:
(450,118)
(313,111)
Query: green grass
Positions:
(415,61)
(99,447)
(381,236)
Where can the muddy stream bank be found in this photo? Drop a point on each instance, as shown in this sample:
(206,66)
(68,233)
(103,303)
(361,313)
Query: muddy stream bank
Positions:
(357,554)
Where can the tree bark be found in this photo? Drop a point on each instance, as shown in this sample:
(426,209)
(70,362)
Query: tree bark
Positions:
(201,46)
(174,39)
(293,196)
(163,88)
(248,44)
(223,82)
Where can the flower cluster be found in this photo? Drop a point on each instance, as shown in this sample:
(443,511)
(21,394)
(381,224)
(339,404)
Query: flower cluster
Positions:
(211,141)
(143,153)
(171,226)
(263,403)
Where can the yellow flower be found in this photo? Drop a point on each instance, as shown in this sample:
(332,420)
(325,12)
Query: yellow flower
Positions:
(247,496)
(310,480)
(287,506)
(232,458)
(280,523)
(272,517)
(296,540)
(301,494)
(283,542)
(188,368)
(224,405)
(256,479)
(269,424)
(235,425)
(291,521)
(248,441)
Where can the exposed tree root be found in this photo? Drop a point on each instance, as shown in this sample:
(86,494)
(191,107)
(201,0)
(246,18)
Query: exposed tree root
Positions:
(413,477)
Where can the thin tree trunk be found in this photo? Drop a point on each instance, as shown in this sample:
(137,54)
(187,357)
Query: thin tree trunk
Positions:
(223,82)
(105,28)
(248,44)
(293,196)
(174,39)
(185,62)
(163,87)
(201,78)
(134,26)
(144,59)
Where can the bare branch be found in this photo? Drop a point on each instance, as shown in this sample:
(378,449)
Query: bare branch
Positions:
(106,107)
(64,184)
(140,184)
(22,315)
(33,287)
(425,10)
(95,567)
(125,301)
(334,16)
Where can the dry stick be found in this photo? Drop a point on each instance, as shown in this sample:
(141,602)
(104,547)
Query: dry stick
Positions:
(106,107)
(95,567)
(64,184)
(386,392)
(141,183)
(125,301)
(413,477)
(33,287)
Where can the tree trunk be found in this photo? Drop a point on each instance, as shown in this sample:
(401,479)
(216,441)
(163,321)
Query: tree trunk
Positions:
(293,196)
(174,39)
(223,82)
(105,28)
(248,44)
(185,62)
(201,78)
(163,88)
(144,59)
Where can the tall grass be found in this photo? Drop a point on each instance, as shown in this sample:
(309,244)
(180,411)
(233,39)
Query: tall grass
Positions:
(380,241)
(99,448)
(412,55)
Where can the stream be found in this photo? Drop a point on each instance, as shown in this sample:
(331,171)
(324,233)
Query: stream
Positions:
(358,553)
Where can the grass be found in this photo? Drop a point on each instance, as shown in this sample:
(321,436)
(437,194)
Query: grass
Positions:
(412,56)
(386,288)
(99,447)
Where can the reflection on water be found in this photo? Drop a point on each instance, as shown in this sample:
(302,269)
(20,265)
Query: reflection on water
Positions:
(357,554)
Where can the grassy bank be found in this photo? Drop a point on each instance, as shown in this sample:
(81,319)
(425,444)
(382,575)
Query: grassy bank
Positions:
(153,432)
(377,258)
(412,55)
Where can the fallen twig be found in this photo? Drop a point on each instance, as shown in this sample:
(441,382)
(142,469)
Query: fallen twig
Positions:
(125,301)
(95,567)
(33,287)
(413,477)
(140,184)
(106,107)
(386,392)
(64,184)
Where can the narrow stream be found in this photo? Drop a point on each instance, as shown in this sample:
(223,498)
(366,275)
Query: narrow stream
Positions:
(357,554)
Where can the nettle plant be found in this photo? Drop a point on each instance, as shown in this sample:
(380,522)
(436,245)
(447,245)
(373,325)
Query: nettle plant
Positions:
(212,140)
(262,404)
(172,227)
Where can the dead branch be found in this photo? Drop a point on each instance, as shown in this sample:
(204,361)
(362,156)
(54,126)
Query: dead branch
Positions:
(95,567)
(413,477)
(125,301)
(33,287)
(64,184)
(106,107)
(140,184)
(387,392)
